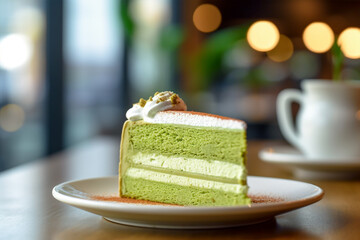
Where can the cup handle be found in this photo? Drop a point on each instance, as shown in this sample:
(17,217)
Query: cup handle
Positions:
(283,109)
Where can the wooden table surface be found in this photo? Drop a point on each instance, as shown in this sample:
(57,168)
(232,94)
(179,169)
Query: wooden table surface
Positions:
(28,210)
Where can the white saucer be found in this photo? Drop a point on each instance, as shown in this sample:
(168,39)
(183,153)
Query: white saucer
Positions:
(291,157)
(293,195)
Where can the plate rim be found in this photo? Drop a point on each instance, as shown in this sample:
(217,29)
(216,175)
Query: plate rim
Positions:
(282,206)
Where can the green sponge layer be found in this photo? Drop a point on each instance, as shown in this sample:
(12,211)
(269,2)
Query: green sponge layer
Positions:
(226,145)
(182,195)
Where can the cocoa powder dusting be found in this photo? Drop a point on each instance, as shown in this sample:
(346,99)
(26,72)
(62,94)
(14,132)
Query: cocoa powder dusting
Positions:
(128,200)
(255,199)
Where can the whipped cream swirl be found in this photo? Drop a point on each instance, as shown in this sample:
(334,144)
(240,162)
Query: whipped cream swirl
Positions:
(147,109)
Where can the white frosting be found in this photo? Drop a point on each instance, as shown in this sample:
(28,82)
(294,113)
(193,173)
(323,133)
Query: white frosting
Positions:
(154,112)
(160,102)
(135,113)
(193,119)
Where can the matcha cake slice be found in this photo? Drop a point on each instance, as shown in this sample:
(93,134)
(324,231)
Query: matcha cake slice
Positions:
(182,157)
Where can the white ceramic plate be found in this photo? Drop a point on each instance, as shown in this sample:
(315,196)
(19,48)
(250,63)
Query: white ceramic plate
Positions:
(293,195)
(290,156)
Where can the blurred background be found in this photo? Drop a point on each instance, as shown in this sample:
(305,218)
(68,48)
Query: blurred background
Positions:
(69,69)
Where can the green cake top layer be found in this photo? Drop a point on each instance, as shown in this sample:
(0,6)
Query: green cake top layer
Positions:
(210,143)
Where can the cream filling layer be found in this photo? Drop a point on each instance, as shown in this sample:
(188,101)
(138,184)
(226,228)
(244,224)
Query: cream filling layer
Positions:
(191,165)
(184,181)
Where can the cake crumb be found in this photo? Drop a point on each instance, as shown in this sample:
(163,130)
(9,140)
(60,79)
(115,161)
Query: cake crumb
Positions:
(142,102)
(173,98)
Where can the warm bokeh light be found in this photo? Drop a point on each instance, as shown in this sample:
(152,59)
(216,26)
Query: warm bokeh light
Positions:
(283,50)
(15,51)
(12,117)
(318,37)
(349,41)
(207,18)
(263,36)
(149,12)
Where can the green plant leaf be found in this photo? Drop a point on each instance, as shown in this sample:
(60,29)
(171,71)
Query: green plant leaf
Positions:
(171,37)
(125,19)
(337,60)
(208,62)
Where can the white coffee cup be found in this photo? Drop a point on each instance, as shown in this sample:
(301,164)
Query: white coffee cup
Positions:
(328,122)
